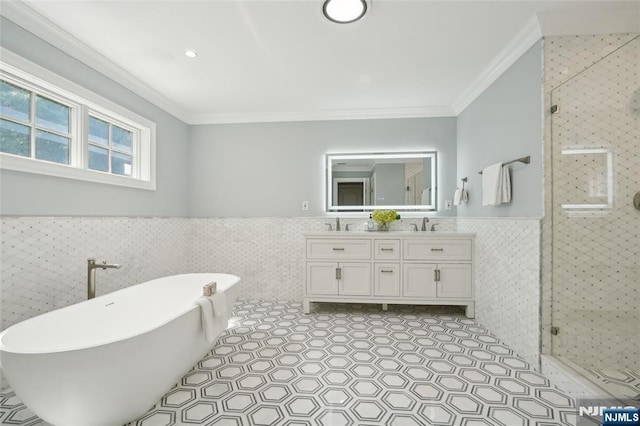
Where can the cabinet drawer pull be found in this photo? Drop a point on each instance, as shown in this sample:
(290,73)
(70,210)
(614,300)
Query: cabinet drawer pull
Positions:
(338,249)
(387,271)
(386,249)
(437,249)
(338,273)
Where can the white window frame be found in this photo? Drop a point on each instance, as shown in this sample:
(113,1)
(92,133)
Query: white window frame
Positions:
(83,102)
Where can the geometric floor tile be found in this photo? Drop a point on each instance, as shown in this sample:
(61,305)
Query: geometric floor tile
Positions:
(351,364)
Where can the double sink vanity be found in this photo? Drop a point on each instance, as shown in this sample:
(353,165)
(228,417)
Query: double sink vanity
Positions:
(403,267)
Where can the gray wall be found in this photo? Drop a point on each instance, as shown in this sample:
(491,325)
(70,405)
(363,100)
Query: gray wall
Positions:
(27,194)
(268,169)
(504,123)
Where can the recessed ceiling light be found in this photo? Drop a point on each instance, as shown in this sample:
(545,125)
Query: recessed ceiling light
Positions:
(191,53)
(344,11)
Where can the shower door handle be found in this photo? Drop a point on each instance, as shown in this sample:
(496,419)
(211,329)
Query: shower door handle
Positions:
(636,200)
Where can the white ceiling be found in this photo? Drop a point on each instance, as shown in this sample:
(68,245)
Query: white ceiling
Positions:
(271,60)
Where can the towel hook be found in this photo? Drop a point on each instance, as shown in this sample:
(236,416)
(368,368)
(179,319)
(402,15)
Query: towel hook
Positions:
(464,179)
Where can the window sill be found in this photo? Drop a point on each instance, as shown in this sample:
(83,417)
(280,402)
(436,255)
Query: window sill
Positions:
(30,165)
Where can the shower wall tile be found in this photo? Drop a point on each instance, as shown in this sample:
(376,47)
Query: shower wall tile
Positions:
(579,301)
(507,280)
(564,57)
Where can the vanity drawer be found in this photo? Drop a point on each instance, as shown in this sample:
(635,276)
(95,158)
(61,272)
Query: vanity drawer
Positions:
(386,249)
(437,249)
(353,249)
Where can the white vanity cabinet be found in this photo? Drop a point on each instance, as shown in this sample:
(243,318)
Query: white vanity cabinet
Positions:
(349,273)
(430,268)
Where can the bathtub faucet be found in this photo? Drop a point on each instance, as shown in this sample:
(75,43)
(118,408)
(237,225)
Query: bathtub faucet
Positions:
(91,274)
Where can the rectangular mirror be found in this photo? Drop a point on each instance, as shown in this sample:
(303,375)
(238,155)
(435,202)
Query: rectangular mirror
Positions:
(402,181)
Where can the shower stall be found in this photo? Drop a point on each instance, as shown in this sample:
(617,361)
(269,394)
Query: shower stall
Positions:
(595,223)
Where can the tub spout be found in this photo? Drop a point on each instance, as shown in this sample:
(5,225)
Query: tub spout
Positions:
(91,274)
(106,265)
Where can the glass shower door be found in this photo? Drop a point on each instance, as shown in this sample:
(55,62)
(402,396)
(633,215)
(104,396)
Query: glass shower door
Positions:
(595,225)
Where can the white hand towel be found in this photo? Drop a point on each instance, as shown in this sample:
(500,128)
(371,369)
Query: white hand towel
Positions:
(213,309)
(505,189)
(206,315)
(219,303)
(457,197)
(492,185)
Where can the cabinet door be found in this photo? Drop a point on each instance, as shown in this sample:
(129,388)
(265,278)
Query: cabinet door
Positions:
(418,280)
(355,279)
(455,281)
(321,278)
(386,279)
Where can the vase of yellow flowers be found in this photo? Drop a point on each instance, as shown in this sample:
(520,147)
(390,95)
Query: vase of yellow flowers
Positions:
(384,218)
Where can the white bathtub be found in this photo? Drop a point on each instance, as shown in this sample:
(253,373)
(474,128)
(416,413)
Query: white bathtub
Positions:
(108,360)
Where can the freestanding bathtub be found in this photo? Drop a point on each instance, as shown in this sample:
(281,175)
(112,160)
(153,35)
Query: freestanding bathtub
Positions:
(108,360)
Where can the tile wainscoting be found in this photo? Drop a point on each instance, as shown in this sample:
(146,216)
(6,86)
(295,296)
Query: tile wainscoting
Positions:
(507,280)
(44,259)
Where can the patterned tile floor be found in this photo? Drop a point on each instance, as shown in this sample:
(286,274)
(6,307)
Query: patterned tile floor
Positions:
(621,384)
(352,365)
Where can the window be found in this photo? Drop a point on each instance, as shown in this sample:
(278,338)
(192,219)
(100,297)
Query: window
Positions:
(110,147)
(33,126)
(51,126)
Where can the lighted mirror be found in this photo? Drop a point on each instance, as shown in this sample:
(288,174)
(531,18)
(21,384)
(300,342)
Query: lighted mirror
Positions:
(403,181)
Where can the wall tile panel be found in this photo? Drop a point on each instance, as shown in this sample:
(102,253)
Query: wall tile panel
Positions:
(507,280)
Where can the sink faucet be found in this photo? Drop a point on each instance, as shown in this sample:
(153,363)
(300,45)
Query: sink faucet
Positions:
(414,227)
(91,274)
(425,220)
(433,226)
(337,223)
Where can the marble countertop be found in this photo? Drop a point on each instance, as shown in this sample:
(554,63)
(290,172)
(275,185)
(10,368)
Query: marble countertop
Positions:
(388,234)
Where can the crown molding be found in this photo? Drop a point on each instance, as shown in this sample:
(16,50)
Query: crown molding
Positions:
(352,114)
(24,16)
(518,46)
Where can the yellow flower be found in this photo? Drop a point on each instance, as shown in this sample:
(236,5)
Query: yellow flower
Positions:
(385,215)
